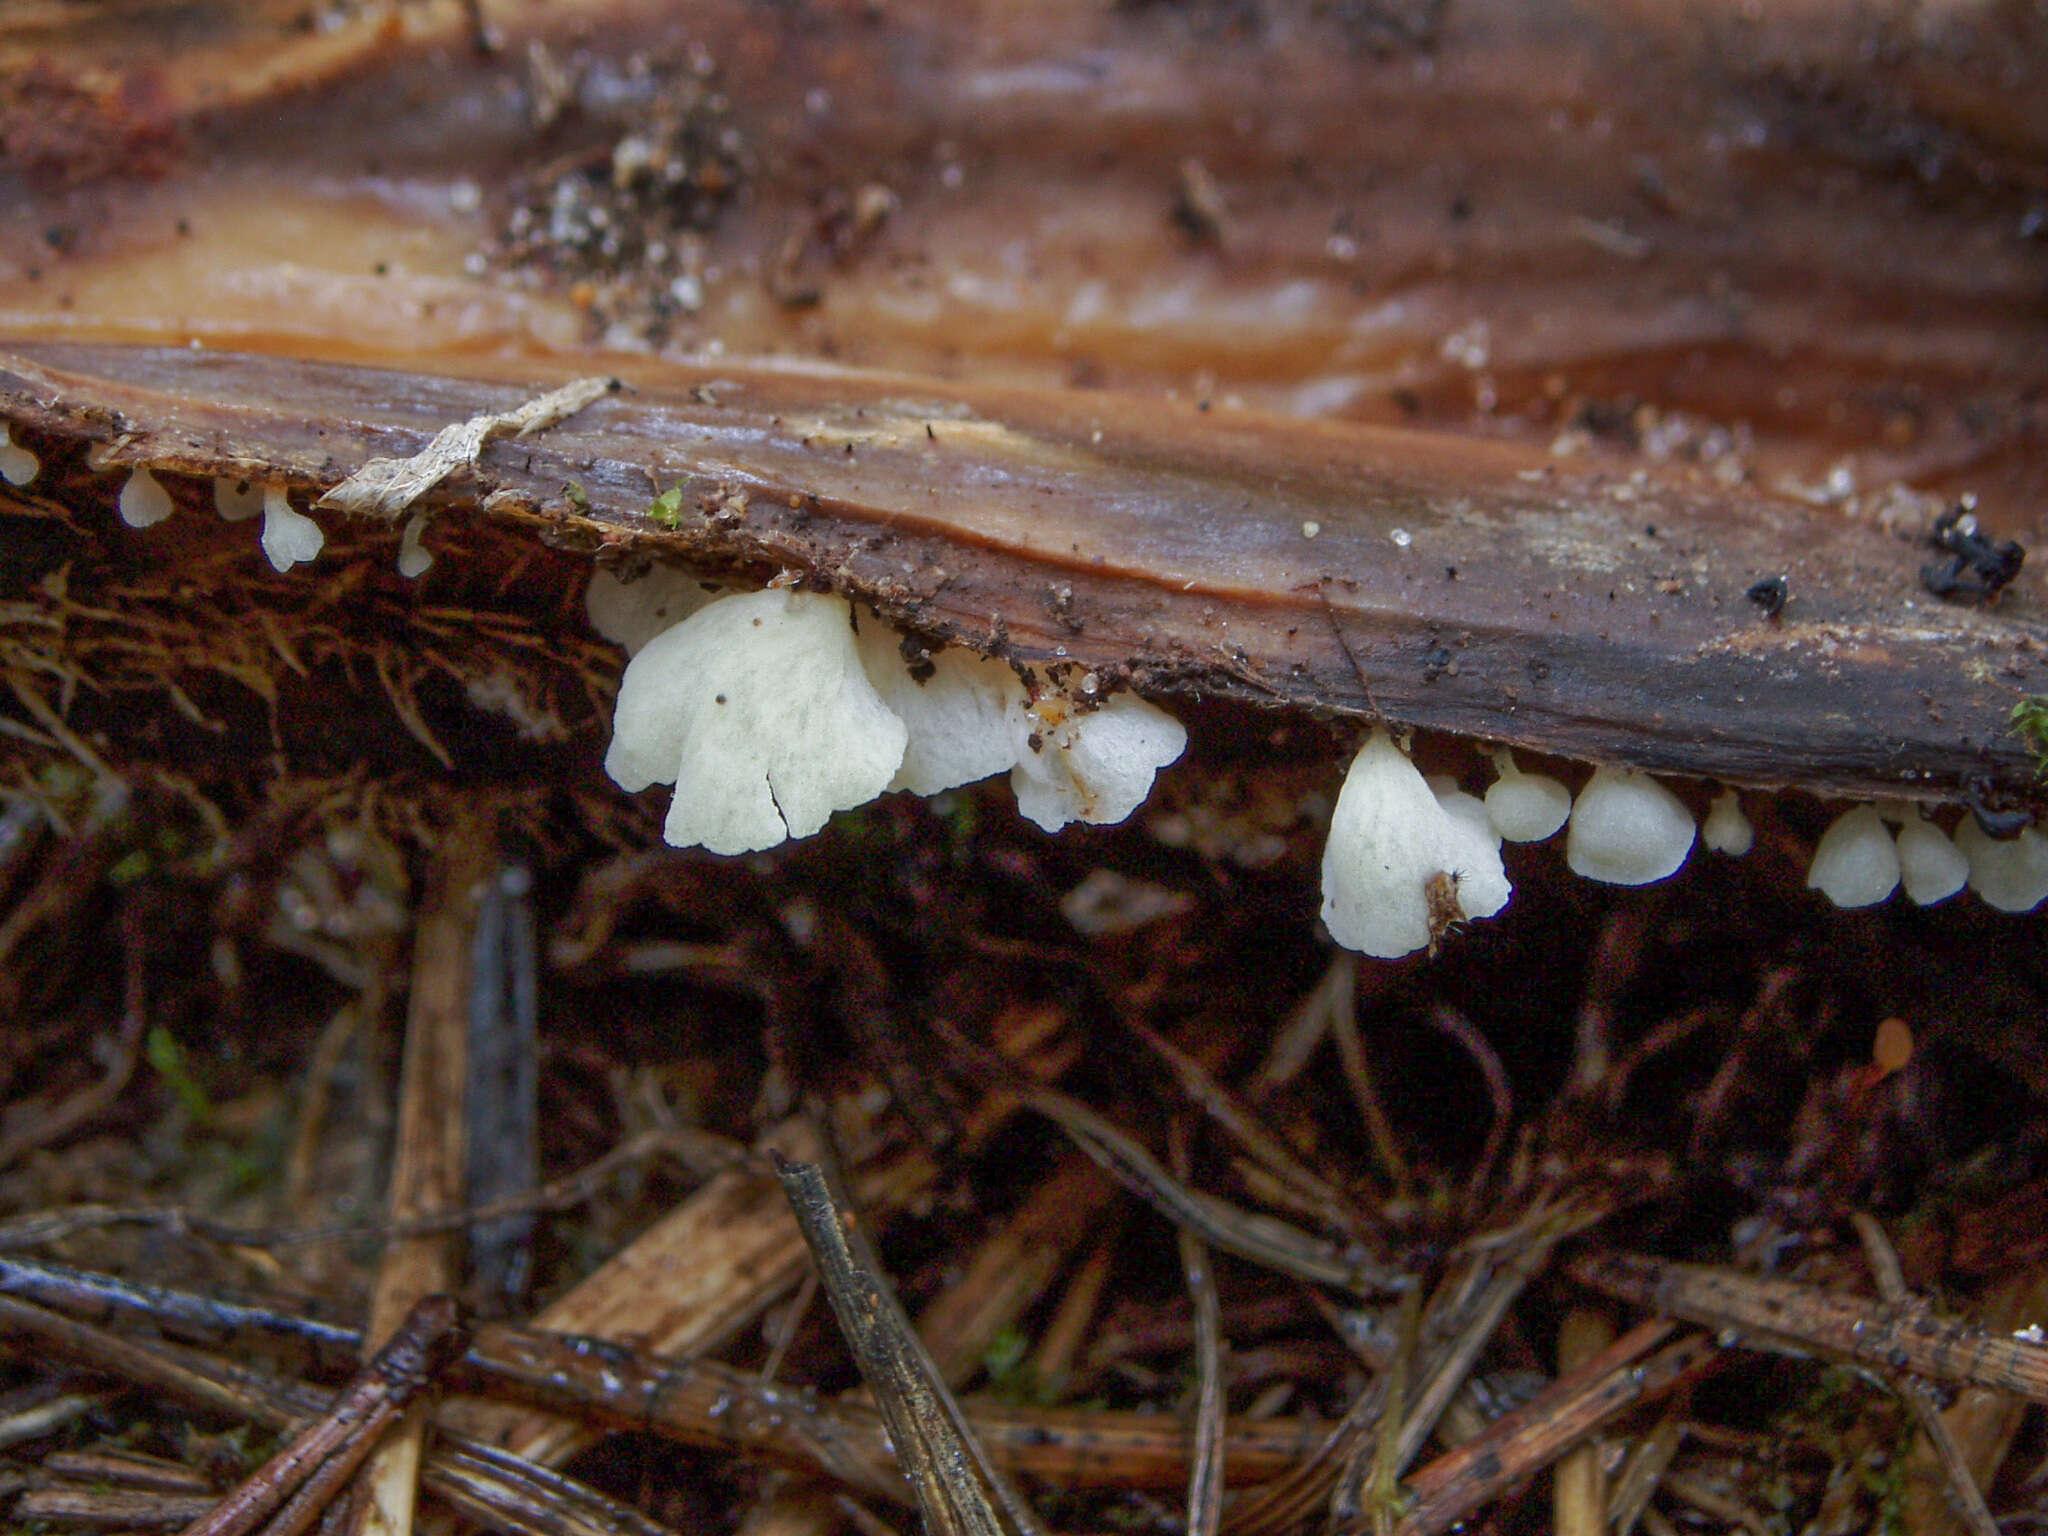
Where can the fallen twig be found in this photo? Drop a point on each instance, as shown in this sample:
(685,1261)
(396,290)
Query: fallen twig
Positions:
(959,1491)
(1886,1336)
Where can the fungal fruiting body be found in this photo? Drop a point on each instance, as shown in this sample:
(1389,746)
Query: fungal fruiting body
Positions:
(2009,874)
(18,466)
(631,613)
(414,558)
(1931,867)
(768,712)
(758,710)
(1856,863)
(289,537)
(1525,807)
(1079,763)
(144,502)
(1627,829)
(1726,829)
(958,708)
(237,500)
(1392,839)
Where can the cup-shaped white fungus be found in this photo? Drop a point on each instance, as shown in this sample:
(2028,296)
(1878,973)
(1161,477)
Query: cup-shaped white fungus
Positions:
(1726,829)
(1627,829)
(237,500)
(1390,836)
(414,558)
(1856,863)
(631,613)
(144,503)
(1473,850)
(1525,807)
(2011,875)
(289,537)
(1089,764)
(17,465)
(1931,867)
(757,709)
(959,715)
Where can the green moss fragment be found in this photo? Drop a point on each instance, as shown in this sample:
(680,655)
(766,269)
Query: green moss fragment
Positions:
(667,508)
(2030,720)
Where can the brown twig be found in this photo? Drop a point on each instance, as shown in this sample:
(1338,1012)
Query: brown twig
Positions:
(958,1489)
(1891,1285)
(1885,1336)
(327,1451)
(1529,1438)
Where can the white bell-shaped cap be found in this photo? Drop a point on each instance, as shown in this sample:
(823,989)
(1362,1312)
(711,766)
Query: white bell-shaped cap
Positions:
(1627,829)
(1726,829)
(236,500)
(1525,807)
(18,466)
(1390,835)
(1856,863)
(2009,874)
(631,613)
(414,558)
(959,716)
(1081,763)
(757,709)
(289,537)
(1931,867)
(144,502)
(1473,850)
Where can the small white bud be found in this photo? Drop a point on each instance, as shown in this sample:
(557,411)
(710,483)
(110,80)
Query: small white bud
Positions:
(144,503)
(2009,875)
(1856,863)
(414,558)
(1525,807)
(289,537)
(18,466)
(1931,867)
(237,500)
(1726,829)
(1627,829)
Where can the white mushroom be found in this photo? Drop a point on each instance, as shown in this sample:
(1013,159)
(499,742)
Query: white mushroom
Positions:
(237,500)
(414,558)
(1627,829)
(1089,762)
(1391,837)
(960,715)
(289,537)
(631,613)
(1856,863)
(1726,829)
(144,502)
(2011,875)
(18,466)
(1931,867)
(757,709)
(1525,807)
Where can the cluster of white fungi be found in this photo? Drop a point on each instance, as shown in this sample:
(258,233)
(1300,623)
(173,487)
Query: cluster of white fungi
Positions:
(768,711)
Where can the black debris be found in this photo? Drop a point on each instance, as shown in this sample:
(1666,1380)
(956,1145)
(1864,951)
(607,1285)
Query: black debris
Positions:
(1978,568)
(1769,595)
